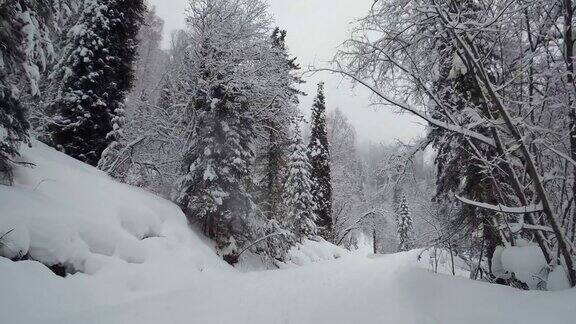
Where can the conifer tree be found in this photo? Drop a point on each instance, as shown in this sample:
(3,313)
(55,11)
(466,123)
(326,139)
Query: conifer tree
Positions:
(285,102)
(298,192)
(96,73)
(25,49)
(319,159)
(404,226)
(214,189)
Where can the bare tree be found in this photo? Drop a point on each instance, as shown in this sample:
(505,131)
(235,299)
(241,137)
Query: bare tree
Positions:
(511,108)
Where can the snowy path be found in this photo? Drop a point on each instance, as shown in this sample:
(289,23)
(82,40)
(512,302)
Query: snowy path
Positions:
(353,289)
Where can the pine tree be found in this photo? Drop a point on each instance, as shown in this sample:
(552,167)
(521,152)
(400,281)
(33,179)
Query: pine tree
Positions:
(319,159)
(25,49)
(404,226)
(96,73)
(298,192)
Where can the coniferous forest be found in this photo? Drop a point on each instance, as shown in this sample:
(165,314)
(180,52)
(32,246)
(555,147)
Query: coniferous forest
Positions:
(147,175)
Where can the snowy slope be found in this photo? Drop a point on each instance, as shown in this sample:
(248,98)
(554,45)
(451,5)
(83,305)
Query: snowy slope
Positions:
(139,262)
(125,242)
(73,214)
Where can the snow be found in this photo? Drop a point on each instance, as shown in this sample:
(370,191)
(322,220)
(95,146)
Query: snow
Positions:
(75,214)
(458,67)
(528,265)
(139,262)
(502,208)
(313,251)
(353,289)
(14,239)
(526,262)
(558,279)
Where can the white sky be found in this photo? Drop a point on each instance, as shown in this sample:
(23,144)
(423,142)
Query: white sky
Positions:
(315,29)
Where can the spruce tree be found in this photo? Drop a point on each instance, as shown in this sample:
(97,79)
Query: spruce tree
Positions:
(96,73)
(320,160)
(298,192)
(214,191)
(404,226)
(217,168)
(284,108)
(20,20)
(13,129)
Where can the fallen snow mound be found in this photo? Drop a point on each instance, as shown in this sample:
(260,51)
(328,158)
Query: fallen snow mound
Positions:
(61,211)
(120,241)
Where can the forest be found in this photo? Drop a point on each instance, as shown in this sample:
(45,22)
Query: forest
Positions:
(119,152)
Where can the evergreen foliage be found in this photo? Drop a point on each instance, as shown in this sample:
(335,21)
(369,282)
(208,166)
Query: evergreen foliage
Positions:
(25,49)
(320,160)
(298,195)
(284,112)
(459,172)
(404,226)
(96,72)
(214,188)
(213,191)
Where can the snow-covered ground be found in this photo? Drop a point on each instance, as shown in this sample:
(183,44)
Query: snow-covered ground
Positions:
(138,262)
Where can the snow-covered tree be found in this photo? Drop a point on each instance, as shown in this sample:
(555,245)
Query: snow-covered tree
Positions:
(150,66)
(25,50)
(282,113)
(96,72)
(298,191)
(504,144)
(320,160)
(135,159)
(158,126)
(227,38)
(347,178)
(404,226)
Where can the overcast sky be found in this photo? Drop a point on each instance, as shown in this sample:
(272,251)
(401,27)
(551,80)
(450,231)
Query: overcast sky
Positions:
(315,29)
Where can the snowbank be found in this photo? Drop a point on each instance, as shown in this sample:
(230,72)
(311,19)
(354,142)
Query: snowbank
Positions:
(305,253)
(313,251)
(64,212)
(119,242)
(525,262)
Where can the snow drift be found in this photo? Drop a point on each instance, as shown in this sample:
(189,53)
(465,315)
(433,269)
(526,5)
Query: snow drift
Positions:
(64,212)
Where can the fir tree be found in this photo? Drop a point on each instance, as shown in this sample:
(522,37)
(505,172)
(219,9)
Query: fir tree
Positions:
(25,49)
(96,74)
(298,192)
(217,168)
(286,99)
(319,159)
(404,226)
(214,190)
(13,129)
